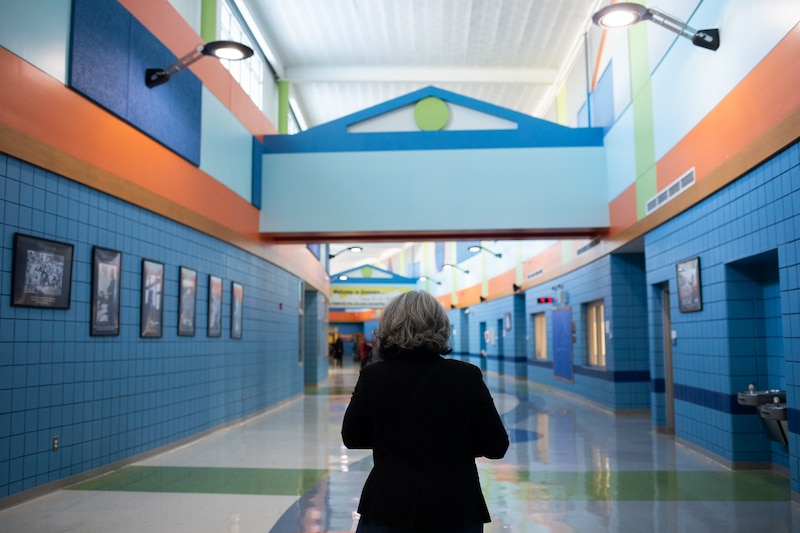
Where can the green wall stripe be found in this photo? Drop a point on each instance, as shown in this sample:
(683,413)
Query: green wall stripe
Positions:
(642,97)
(283,106)
(208,20)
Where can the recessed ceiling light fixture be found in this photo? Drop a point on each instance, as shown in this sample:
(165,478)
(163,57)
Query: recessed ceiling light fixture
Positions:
(229,50)
(624,14)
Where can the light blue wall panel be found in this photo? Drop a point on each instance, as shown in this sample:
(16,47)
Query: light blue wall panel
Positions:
(620,155)
(226,147)
(435,190)
(38,32)
(693,80)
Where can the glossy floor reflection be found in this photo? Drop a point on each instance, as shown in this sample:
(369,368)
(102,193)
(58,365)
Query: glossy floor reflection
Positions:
(570,467)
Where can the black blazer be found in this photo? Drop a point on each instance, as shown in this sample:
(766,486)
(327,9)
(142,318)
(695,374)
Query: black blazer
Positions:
(426,419)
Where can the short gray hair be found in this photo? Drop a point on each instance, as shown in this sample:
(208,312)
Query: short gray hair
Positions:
(415,321)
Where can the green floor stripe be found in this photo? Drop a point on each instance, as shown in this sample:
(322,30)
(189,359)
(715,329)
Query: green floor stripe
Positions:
(328,391)
(263,481)
(661,485)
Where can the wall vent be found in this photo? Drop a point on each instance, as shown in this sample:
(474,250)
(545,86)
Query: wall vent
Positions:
(670,191)
(535,274)
(594,242)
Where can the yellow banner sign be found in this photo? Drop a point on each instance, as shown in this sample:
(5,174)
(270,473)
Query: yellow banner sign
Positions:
(365,296)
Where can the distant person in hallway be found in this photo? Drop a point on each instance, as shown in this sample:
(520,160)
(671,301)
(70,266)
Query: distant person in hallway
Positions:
(364,352)
(426,419)
(338,352)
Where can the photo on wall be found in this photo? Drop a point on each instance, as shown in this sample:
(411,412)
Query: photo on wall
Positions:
(106,271)
(237,306)
(214,306)
(42,273)
(689,288)
(187,302)
(151,324)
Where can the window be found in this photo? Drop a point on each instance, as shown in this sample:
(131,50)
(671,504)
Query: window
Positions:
(540,336)
(249,73)
(595,332)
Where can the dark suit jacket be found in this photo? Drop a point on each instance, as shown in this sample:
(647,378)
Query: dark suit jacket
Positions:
(426,419)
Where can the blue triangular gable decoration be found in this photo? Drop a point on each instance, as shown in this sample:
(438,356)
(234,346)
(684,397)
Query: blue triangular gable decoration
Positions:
(531,132)
(372,275)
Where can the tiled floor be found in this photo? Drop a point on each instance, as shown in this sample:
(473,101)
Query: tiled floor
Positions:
(570,467)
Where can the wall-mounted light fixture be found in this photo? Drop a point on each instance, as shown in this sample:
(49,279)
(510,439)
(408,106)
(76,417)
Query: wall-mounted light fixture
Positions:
(516,287)
(483,298)
(476,248)
(229,50)
(343,277)
(447,266)
(624,14)
(354,249)
(426,278)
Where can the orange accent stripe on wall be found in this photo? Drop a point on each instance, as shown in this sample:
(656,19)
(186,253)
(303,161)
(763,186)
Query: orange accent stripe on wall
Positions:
(547,260)
(504,283)
(622,211)
(41,107)
(353,316)
(764,98)
(170,28)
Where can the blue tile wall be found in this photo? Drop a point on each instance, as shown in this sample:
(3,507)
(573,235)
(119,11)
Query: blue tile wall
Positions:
(748,331)
(624,383)
(315,343)
(109,398)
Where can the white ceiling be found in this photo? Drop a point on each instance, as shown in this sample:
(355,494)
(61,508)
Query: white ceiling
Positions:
(342,56)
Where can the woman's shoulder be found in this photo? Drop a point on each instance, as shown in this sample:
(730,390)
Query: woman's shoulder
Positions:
(462,368)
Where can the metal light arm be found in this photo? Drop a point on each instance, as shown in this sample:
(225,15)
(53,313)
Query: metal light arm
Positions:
(703,38)
(157,76)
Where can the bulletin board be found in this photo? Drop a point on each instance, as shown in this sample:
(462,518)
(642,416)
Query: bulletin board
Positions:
(562,343)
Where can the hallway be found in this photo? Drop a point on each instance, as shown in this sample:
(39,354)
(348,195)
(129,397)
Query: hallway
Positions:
(570,467)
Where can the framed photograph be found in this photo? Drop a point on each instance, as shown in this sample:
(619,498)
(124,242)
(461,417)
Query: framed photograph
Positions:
(106,271)
(689,287)
(187,302)
(151,324)
(42,273)
(237,305)
(214,306)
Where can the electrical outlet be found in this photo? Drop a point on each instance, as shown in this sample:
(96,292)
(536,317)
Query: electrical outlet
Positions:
(55,444)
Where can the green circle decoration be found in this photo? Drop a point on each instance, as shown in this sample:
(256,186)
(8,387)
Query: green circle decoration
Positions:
(431,114)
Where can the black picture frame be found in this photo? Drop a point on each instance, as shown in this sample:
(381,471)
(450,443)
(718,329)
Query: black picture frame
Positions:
(237,309)
(106,274)
(151,324)
(42,273)
(187,302)
(214,306)
(690,297)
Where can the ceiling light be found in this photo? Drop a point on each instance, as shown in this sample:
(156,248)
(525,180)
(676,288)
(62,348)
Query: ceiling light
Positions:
(229,50)
(476,248)
(354,249)
(448,266)
(426,278)
(624,14)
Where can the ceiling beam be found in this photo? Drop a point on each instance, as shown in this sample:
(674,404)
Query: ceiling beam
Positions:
(423,75)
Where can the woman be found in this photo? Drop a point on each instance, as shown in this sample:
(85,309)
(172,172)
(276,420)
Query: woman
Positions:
(426,419)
